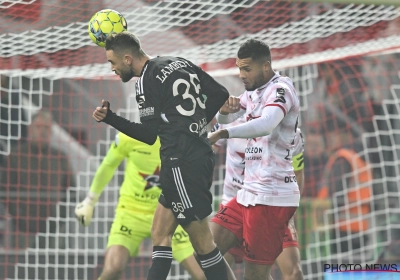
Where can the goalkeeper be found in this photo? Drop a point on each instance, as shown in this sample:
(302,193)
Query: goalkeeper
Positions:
(134,214)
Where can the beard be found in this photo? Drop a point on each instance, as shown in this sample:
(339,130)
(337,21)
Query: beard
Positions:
(127,75)
(259,81)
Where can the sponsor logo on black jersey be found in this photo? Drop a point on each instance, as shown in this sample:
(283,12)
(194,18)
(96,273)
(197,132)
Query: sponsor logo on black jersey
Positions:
(140,101)
(149,111)
(200,127)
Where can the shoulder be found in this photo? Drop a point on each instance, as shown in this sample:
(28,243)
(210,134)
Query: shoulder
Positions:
(281,90)
(153,67)
(160,68)
(168,62)
(156,63)
(280,86)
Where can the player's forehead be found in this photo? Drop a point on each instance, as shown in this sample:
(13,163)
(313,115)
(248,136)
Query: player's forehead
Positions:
(111,56)
(244,62)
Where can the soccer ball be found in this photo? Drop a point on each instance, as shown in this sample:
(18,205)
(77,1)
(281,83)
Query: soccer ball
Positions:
(104,23)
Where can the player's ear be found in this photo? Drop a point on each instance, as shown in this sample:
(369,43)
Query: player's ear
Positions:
(267,65)
(128,59)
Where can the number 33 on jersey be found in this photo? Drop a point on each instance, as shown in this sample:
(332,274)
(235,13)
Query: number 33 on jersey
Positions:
(175,91)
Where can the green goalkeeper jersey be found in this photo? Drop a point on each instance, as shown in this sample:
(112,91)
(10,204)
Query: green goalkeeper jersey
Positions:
(140,189)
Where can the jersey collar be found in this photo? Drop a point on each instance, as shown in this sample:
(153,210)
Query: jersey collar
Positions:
(144,66)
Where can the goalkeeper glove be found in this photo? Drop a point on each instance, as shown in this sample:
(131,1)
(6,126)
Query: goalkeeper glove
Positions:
(84,210)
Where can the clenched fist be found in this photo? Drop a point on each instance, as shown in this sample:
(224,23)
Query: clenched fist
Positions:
(101,112)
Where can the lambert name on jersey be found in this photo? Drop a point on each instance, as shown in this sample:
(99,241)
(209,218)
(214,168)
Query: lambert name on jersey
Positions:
(167,70)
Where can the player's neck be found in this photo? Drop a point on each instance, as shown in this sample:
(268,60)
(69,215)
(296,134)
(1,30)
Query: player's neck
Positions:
(267,78)
(140,64)
(270,75)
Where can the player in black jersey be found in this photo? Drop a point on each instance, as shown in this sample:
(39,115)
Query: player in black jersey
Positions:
(176,100)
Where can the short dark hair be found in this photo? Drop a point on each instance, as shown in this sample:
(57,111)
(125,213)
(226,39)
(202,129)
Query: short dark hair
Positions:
(124,41)
(255,49)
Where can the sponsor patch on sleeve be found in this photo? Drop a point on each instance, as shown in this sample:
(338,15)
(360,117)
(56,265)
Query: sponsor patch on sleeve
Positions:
(140,101)
(280,92)
(149,111)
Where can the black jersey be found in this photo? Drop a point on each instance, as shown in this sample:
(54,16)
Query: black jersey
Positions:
(185,99)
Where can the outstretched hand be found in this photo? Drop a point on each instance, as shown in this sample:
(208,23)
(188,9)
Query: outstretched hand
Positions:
(232,105)
(101,112)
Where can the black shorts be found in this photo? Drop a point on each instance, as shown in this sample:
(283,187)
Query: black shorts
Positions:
(186,188)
